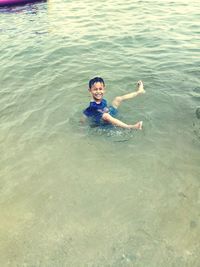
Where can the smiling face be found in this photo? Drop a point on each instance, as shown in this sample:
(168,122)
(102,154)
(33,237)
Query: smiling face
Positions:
(97,91)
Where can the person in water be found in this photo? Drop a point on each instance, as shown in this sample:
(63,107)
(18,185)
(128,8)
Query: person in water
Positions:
(98,112)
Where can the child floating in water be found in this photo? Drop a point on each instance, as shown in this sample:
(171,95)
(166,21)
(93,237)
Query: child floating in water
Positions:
(98,111)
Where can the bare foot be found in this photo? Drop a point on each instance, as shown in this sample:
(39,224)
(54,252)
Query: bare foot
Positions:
(137,126)
(140,87)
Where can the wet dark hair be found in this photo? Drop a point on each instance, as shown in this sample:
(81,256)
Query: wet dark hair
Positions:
(96,80)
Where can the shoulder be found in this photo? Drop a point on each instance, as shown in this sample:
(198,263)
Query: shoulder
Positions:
(90,109)
(104,101)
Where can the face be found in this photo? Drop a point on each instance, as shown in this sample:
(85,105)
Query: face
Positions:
(97,91)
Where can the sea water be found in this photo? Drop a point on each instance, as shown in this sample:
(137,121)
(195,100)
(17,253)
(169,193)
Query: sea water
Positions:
(71,195)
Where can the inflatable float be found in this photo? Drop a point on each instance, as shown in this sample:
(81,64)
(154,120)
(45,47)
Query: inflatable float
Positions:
(4,3)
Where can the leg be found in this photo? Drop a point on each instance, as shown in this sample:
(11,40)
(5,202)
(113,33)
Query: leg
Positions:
(140,90)
(107,117)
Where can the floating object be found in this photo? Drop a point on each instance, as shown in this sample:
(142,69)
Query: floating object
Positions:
(4,3)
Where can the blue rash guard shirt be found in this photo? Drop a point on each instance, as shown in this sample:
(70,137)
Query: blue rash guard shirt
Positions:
(95,111)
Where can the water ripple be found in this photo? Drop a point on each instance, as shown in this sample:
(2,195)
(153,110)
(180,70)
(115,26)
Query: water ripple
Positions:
(50,163)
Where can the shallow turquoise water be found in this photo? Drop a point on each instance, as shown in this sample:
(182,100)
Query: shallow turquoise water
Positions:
(75,196)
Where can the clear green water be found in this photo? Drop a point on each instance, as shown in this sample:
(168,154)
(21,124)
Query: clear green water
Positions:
(75,196)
